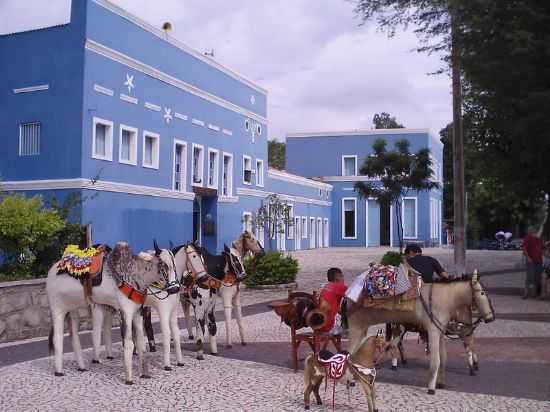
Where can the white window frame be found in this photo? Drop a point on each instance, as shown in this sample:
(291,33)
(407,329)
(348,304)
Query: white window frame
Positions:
(260,173)
(246,157)
(133,145)
(344,157)
(415,217)
(230,174)
(183,170)
(313,230)
(37,133)
(108,139)
(156,153)
(304,227)
(216,168)
(200,165)
(320,235)
(344,218)
(298,232)
(290,231)
(249,215)
(326,233)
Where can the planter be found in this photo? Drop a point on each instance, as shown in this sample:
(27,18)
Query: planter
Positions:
(282,286)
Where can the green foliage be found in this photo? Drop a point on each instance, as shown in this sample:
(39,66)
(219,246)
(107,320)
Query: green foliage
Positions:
(276,154)
(399,171)
(385,121)
(391,258)
(274,268)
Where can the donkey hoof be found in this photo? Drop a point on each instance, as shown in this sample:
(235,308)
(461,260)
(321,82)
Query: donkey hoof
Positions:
(152,348)
(440,386)
(180,364)
(228,346)
(200,357)
(352,384)
(59,374)
(82,370)
(215,354)
(319,402)
(404,362)
(306,408)
(191,337)
(472,372)
(129,382)
(243,343)
(431,391)
(393,368)
(96,361)
(110,358)
(168,368)
(476,367)
(145,376)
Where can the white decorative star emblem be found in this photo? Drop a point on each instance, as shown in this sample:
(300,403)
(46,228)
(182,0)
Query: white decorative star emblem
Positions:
(252,99)
(167,114)
(129,83)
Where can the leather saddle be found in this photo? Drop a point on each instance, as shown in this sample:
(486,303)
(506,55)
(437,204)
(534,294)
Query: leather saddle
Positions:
(95,276)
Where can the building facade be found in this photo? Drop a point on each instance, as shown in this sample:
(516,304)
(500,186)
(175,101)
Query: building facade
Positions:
(161,141)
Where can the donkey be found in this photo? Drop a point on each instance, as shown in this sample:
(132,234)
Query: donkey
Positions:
(434,308)
(123,287)
(360,365)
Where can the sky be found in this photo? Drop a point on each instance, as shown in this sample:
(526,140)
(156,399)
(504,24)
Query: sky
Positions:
(323,71)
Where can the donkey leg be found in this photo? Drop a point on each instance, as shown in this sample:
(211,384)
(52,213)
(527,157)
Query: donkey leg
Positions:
(58,320)
(140,344)
(307,395)
(98,314)
(212,328)
(164,315)
(148,325)
(434,339)
(186,306)
(107,335)
(175,329)
(200,314)
(77,349)
(228,309)
(443,363)
(128,343)
(239,315)
(369,393)
(316,386)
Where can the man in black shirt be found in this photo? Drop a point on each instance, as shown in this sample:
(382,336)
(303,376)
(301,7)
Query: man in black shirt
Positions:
(425,265)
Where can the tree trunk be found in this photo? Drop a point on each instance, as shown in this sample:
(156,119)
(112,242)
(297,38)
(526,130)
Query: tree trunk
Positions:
(458,155)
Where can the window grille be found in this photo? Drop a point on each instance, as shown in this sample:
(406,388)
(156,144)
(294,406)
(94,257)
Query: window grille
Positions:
(29,139)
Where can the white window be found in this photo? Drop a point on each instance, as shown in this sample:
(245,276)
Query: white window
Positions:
(349,218)
(198,164)
(312,233)
(259,129)
(349,165)
(247,170)
(127,145)
(102,139)
(151,146)
(319,232)
(298,232)
(247,222)
(409,217)
(326,233)
(304,227)
(259,172)
(227,175)
(213,166)
(180,166)
(29,139)
(290,227)
(247,125)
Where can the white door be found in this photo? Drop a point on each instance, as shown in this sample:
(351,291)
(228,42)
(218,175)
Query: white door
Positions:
(326,232)
(312,233)
(297,233)
(319,232)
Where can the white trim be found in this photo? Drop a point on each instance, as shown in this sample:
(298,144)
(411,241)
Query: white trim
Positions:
(245,214)
(415,216)
(214,127)
(228,199)
(155,155)
(180,116)
(358,133)
(121,58)
(260,173)
(349,179)
(108,139)
(176,43)
(32,89)
(197,122)
(312,233)
(290,233)
(103,90)
(216,168)
(391,225)
(439,221)
(227,132)
(304,227)
(326,233)
(344,157)
(348,189)
(152,106)
(100,185)
(133,145)
(230,175)
(246,157)
(367,222)
(200,165)
(183,170)
(343,224)
(297,232)
(245,191)
(288,177)
(320,233)
(128,99)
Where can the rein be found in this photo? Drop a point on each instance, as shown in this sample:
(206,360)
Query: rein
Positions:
(169,287)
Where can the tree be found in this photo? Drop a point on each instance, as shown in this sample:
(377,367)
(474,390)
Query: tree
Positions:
(438,25)
(385,121)
(276,154)
(398,171)
(274,217)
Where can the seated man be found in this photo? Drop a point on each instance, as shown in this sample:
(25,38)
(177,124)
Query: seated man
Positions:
(332,293)
(424,265)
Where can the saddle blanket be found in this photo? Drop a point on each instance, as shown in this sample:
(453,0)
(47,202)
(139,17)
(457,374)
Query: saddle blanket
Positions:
(77,262)
(386,281)
(335,366)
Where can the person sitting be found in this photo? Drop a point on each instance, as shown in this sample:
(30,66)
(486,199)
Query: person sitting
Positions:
(426,266)
(332,293)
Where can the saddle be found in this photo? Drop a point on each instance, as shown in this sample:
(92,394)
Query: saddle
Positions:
(95,275)
(335,364)
(86,265)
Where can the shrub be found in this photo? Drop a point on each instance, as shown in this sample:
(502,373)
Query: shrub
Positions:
(274,268)
(391,258)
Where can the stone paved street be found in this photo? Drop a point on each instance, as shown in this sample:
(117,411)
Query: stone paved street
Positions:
(513,376)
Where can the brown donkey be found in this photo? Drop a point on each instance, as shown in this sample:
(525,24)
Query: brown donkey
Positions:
(359,366)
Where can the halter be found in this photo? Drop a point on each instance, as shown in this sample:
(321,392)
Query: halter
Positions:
(191,270)
(169,287)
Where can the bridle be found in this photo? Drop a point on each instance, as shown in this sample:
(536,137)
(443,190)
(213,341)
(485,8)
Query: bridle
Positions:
(169,287)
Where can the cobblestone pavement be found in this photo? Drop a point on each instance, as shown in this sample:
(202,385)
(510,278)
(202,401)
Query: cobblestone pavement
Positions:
(511,351)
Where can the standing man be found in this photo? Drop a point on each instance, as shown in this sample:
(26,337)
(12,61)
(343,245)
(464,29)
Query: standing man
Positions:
(533,251)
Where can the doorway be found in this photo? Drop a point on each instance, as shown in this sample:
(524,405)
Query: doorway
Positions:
(197,220)
(385,224)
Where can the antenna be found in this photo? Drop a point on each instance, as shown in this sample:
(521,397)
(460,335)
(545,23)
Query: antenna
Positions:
(210,53)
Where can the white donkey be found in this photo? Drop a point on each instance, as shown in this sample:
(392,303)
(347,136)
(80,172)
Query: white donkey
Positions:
(229,291)
(123,287)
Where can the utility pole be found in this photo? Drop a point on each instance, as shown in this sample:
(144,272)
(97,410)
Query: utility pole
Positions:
(458,151)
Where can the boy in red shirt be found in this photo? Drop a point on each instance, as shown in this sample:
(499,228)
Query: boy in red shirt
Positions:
(332,293)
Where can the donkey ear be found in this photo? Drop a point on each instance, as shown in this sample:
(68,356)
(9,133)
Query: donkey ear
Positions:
(156,246)
(171,244)
(226,249)
(475,276)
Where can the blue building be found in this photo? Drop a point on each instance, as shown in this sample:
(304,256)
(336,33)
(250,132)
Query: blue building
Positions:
(364,222)
(164,142)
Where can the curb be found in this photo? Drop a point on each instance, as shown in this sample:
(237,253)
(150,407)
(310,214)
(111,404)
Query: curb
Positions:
(282,286)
